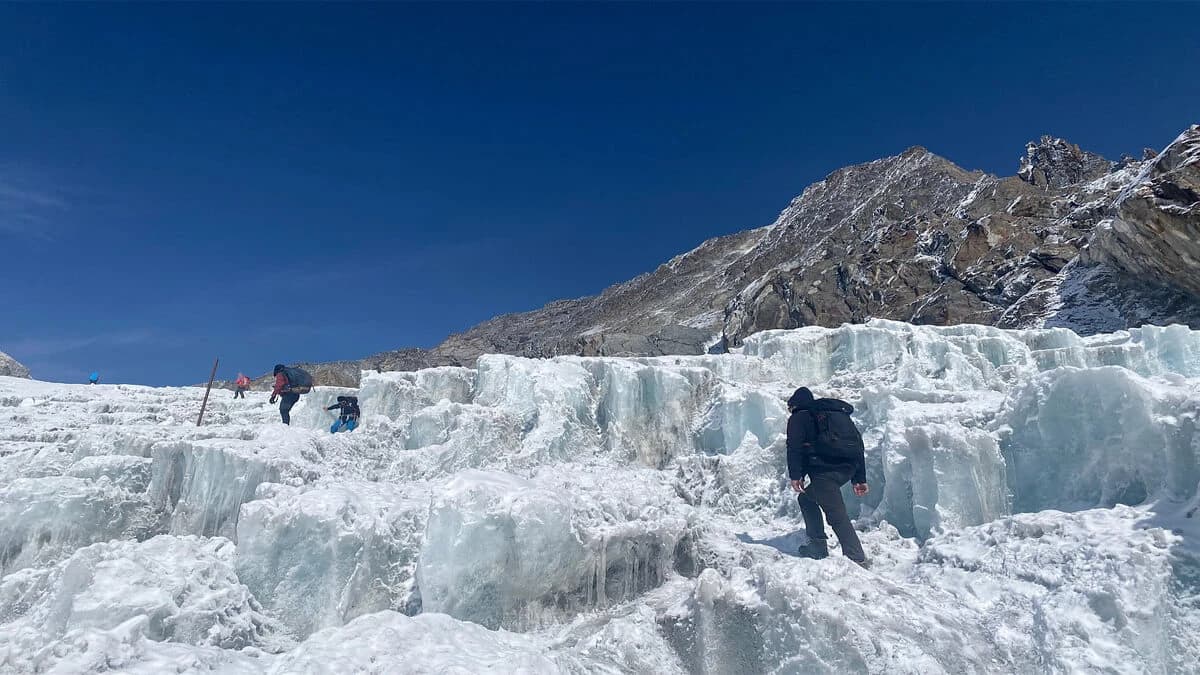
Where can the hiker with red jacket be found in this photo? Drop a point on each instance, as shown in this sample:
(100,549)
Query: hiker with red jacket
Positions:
(242,383)
(289,384)
(824,445)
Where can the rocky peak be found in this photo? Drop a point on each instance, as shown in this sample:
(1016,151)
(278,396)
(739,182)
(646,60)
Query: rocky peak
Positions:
(1053,163)
(10,367)
(1075,240)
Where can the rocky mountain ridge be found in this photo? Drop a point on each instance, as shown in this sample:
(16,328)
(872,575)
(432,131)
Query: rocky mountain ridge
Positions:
(1073,240)
(11,367)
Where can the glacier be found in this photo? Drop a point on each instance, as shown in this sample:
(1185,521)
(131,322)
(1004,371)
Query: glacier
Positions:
(1035,507)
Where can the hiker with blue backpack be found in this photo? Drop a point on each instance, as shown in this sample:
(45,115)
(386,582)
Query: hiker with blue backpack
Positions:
(290,382)
(824,445)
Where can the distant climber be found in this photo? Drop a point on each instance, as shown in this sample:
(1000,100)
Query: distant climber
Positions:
(242,383)
(348,419)
(94,378)
(289,384)
(824,445)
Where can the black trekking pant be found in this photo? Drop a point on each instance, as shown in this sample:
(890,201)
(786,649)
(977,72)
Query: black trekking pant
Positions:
(286,401)
(824,493)
(240,393)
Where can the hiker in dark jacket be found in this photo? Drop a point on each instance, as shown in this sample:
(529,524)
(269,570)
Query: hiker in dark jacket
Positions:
(827,470)
(287,390)
(348,419)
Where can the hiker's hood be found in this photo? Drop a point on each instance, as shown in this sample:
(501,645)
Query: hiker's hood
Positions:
(829,404)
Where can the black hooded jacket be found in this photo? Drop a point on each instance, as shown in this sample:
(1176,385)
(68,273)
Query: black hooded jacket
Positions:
(349,406)
(802,428)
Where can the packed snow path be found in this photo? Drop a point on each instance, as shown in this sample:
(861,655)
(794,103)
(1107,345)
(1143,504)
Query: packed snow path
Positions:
(1034,508)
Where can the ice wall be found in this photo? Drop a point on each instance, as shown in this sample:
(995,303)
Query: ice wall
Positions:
(201,485)
(516,414)
(400,395)
(505,551)
(44,519)
(967,423)
(622,515)
(1078,438)
(326,556)
(947,446)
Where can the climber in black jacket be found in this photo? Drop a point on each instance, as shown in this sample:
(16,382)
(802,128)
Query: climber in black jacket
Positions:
(829,461)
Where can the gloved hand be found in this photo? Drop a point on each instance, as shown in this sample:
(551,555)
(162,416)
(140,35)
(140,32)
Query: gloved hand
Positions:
(273,399)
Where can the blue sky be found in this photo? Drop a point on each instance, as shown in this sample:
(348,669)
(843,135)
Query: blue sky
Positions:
(276,182)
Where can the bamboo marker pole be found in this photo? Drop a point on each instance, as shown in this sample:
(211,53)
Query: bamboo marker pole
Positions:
(210,381)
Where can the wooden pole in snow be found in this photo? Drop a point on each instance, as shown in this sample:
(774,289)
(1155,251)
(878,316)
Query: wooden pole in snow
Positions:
(210,381)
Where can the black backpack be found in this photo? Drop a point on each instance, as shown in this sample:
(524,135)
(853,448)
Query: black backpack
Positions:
(837,436)
(299,381)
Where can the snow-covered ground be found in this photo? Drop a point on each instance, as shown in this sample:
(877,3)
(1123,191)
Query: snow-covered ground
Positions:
(1034,509)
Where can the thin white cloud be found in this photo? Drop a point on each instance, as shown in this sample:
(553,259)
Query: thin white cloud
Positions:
(31,348)
(26,209)
(36,198)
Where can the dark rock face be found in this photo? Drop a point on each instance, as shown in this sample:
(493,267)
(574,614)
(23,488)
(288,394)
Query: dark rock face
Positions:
(1140,265)
(1155,232)
(669,340)
(11,368)
(1073,240)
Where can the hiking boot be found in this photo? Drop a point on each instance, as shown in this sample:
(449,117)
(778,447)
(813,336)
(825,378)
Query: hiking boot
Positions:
(865,564)
(815,549)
